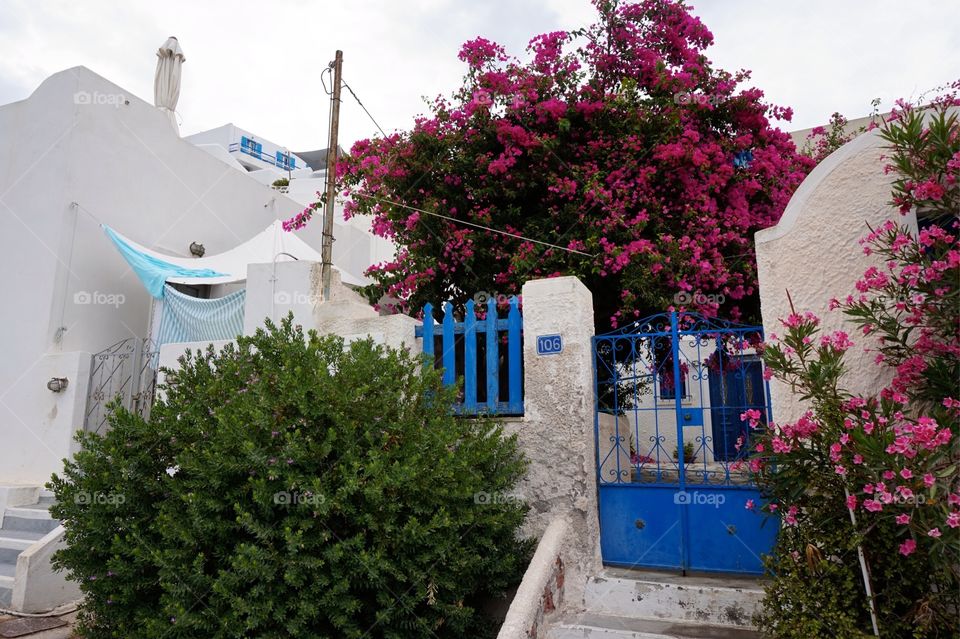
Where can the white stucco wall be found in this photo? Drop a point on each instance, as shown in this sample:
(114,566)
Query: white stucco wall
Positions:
(37,426)
(556,431)
(813,254)
(274,290)
(80,138)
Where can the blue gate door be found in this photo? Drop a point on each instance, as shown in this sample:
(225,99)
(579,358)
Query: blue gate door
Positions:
(672,450)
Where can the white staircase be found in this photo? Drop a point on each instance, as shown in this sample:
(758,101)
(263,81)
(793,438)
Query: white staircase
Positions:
(630,604)
(22,527)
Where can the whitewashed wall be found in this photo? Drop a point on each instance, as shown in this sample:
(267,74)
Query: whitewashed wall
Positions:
(813,254)
(80,138)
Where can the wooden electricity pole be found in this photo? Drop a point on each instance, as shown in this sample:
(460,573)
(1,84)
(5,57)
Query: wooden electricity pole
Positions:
(327,249)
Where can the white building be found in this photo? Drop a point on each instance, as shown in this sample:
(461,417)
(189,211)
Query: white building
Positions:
(79,154)
(250,151)
(355,247)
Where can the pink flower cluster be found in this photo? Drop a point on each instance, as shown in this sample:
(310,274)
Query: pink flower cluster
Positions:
(588,148)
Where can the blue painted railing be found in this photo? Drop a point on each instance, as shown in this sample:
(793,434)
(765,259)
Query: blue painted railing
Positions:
(265,156)
(479,336)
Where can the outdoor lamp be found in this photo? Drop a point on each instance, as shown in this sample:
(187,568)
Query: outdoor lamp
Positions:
(57,384)
(196,249)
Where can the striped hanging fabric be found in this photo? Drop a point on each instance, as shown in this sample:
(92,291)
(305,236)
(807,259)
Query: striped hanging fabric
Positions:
(191,319)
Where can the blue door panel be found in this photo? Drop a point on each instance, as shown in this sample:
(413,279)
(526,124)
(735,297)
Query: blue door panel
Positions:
(725,536)
(640,526)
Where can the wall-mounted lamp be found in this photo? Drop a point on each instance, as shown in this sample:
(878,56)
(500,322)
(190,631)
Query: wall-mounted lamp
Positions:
(57,384)
(196,249)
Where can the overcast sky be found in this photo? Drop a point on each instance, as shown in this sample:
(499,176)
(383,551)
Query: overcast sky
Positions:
(258,64)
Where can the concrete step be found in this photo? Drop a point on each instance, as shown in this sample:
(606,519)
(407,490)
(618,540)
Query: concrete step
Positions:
(28,519)
(702,599)
(14,542)
(41,506)
(6,590)
(598,626)
(7,571)
(47,497)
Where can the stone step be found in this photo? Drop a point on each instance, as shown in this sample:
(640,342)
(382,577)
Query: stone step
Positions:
(40,506)
(599,626)
(14,542)
(6,590)
(702,599)
(28,519)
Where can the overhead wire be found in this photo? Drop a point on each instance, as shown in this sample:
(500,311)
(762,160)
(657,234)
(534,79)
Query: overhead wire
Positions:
(479,226)
(447,217)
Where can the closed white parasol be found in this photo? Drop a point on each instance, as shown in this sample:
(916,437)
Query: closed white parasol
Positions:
(166,83)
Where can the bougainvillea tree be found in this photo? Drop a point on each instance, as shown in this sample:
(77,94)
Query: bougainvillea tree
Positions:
(869,485)
(619,141)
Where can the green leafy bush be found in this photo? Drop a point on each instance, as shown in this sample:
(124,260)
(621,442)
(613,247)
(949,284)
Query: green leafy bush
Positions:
(288,486)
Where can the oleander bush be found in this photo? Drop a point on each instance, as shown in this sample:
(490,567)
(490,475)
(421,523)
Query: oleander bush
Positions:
(868,485)
(291,486)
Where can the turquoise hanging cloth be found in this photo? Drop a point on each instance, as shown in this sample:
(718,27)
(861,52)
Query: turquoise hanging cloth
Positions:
(152,271)
(191,319)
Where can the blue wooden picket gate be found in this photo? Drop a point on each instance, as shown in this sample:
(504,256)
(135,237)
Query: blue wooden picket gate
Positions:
(474,349)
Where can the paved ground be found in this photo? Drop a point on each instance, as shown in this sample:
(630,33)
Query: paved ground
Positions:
(56,627)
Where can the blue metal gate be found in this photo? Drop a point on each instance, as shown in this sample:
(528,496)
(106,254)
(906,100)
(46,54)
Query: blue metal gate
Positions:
(672,449)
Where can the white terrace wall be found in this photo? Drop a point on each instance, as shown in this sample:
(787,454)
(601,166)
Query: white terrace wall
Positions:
(813,254)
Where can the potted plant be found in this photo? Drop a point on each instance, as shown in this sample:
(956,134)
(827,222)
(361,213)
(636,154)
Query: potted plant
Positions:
(688,455)
(637,460)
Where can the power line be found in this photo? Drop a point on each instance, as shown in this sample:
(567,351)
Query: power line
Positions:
(479,226)
(372,119)
(445,217)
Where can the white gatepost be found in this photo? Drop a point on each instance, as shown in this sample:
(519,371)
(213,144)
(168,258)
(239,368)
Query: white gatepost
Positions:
(557,432)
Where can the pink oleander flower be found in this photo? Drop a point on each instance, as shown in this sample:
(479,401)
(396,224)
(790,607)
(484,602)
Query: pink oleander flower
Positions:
(934,532)
(953,519)
(749,505)
(791,517)
(903,519)
(872,505)
(908,547)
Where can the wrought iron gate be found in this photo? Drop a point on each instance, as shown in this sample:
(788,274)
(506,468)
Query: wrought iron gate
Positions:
(671,445)
(127,371)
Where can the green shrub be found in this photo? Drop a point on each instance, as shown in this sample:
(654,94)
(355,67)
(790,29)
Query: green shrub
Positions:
(288,486)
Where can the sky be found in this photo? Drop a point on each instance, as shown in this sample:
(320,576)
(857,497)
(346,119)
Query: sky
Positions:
(258,64)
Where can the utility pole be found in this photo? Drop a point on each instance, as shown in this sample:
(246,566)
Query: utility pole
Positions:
(327,249)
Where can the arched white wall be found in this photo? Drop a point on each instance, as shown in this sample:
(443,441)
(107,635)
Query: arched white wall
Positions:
(813,254)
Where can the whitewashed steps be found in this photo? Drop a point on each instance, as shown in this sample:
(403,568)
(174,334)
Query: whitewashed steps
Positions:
(597,626)
(720,601)
(632,604)
(22,527)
